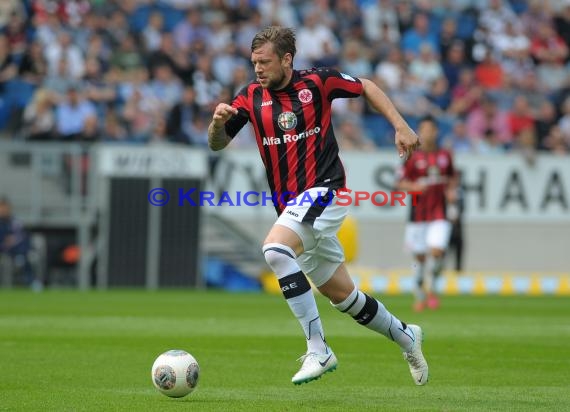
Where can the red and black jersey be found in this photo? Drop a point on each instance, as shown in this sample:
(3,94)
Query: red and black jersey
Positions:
(293,129)
(434,170)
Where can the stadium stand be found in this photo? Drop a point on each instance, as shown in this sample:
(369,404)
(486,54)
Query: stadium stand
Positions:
(129,62)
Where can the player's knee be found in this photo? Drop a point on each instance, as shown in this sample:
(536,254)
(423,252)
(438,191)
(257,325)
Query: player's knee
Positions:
(421,258)
(437,253)
(278,256)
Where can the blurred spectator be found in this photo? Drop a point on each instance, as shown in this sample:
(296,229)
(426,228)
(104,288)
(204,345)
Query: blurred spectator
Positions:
(39,117)
(95,88)
(116,28)
(205,84)
(113,130)
(454,62)
(179,125)
(489,123)
(33,66)
(390,71)
(349,18)
(75,117)
(220,34)
(152,33)
(15,32)
(126,56)
(8,67)
(377,15)
(448,36)
(405,13)
(225,63)
(550,52)
(556,142)
(425,68)
(562,23)
(458,140)
(190,30)
(278,12)
(438,94)
(466,95)
(355,60)
(525,145)
(245,32)
(15,243)
(496,16)
(316,43)
(420,34)
(545,120)
(8,8)
(521,117)
(490,144)
(539,13)
(513,50)
(59,82)
(64,48)
(489,73)
(350,135)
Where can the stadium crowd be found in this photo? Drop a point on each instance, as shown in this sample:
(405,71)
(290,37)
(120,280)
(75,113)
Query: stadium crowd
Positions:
(494,73)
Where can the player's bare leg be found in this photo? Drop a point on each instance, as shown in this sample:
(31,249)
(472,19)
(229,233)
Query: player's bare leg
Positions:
(281,248)
(369,312)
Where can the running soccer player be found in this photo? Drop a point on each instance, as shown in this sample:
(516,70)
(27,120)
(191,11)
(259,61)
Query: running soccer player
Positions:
(291,114)
(429,171)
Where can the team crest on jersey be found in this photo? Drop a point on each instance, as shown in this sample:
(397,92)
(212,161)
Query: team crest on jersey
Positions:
(442,160)
(287,121)
(305,96)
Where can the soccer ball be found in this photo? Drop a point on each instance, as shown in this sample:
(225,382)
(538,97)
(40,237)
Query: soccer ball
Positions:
(175,373)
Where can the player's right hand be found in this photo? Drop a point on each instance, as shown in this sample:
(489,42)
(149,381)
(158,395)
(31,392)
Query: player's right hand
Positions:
(223,113)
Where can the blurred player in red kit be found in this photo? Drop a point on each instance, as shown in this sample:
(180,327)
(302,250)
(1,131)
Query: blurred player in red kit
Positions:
(429,171)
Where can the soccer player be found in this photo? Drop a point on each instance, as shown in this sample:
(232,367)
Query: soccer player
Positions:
(291,114)
(429,171)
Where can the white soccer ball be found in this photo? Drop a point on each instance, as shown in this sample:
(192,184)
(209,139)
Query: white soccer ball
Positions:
(175,373)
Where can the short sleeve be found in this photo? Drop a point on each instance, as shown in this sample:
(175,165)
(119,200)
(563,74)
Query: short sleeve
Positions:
(236,122)
(339,85)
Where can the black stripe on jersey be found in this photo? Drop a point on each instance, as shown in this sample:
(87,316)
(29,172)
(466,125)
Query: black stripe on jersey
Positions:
(318,107)
(318,207)
(301,172)
(276,110)
(257,99)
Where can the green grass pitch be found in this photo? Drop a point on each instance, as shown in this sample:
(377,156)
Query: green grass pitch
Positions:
(92,351)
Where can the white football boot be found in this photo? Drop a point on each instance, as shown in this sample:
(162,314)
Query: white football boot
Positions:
(415,357)
(314,366)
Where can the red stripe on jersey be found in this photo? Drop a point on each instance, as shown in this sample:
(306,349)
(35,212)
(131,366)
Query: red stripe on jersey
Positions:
(242,102)
(268,126)
(253,120)
(292,158)
(347,87)
(325,110)
(310,162)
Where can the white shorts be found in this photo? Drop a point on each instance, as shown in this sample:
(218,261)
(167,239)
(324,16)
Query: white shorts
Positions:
(316,223)
(421,236)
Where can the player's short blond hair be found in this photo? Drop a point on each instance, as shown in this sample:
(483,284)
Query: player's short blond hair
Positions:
(282,38)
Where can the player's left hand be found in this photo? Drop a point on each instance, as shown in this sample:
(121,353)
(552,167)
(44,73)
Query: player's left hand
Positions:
(406,141)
